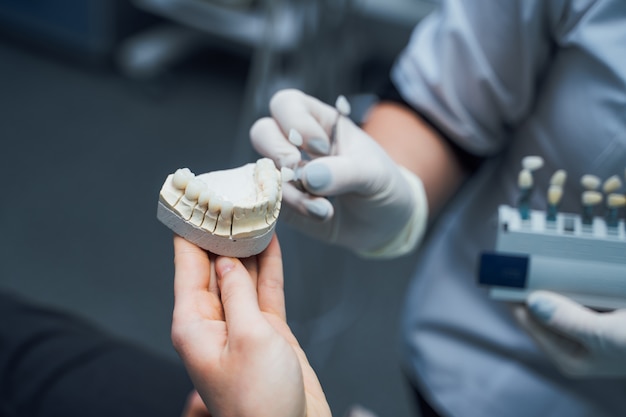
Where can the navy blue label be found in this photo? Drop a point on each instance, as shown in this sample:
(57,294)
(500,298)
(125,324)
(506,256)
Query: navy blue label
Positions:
(503,270)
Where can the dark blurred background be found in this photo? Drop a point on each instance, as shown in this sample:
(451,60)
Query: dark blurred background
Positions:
(101,99)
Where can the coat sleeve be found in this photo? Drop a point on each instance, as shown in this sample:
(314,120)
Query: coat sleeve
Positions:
(474,68)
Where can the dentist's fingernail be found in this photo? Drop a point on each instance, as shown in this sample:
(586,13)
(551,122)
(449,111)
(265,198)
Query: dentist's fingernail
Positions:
(319,146)
(317,176)
(542,308)
(295,138)
(317,209)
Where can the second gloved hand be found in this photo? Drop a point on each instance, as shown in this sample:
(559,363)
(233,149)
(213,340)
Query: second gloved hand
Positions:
(354,194)
(581,342)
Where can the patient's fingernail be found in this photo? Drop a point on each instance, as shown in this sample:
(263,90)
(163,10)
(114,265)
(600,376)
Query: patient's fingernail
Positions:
(317,209)
(319,146)
(224,265)
(317,176)
(542,308)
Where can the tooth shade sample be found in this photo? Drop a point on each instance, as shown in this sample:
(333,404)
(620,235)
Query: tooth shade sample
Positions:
(615,200)
(612,184)
(231,212)
(558,178)
(555,192)
(591,198)
(590,182)
(525,179)
(532,163)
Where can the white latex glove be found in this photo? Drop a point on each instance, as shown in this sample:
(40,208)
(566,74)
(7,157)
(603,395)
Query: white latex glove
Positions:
(582,342)
(378,209)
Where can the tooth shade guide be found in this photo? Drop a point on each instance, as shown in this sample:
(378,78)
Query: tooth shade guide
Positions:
(565,244)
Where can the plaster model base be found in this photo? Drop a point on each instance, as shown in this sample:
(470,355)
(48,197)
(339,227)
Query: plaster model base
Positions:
(231,212)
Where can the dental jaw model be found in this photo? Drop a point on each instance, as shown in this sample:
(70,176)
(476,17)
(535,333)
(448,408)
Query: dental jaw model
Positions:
(231,212)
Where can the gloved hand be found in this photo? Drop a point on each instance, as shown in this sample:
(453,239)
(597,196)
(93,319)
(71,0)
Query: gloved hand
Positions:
(378,208)
(582,342)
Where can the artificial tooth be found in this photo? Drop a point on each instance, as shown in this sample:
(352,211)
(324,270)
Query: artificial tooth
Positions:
(194,188)
(555,192)
(182,177)
(525,179)
(205,196)
(591,198)
(189,200)
(532,163)
(558,178)
(590,182)
(265,163)
(215,205)
(616,200)
(612,184)
(174,186)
